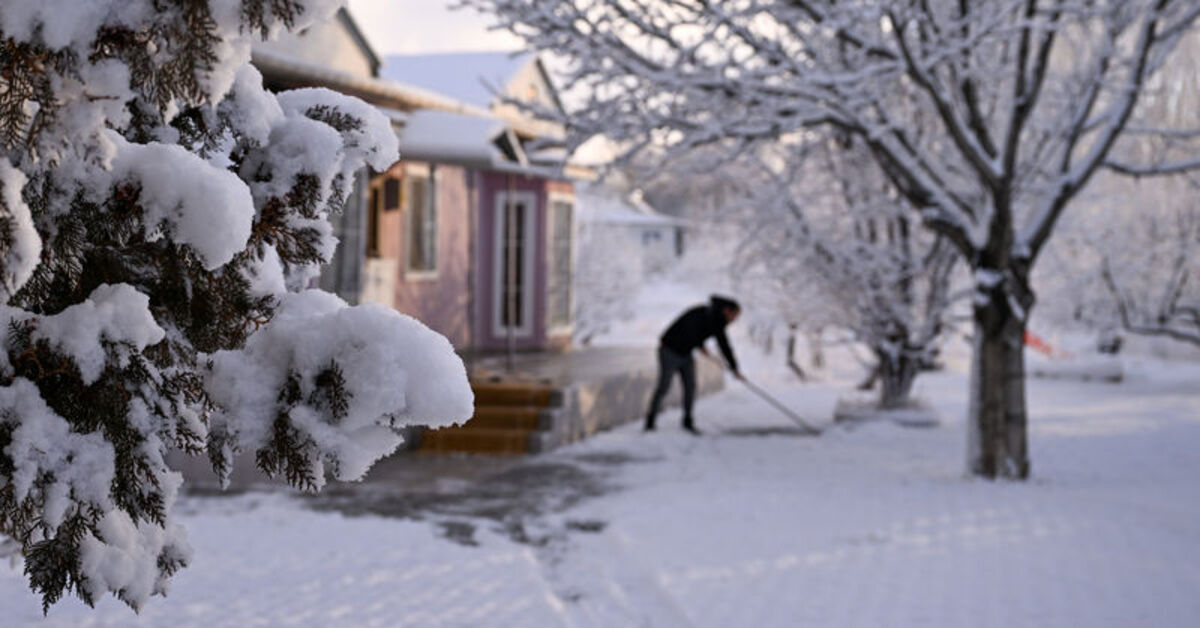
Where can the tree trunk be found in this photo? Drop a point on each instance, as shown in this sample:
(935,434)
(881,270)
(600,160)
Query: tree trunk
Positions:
(791,353)
(896,375)
(815,349)
(996,418)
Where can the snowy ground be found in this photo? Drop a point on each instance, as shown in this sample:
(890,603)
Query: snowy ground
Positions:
(750,525)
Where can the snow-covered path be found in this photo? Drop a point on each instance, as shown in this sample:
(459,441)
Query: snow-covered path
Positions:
(879,526)
(875,526)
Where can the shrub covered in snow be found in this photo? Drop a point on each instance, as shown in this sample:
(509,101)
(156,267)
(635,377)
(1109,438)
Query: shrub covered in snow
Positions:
(159,213)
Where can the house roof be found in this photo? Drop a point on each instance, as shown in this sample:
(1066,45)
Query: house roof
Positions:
(434,126)
(444,136)
(379,92)
(484,142)
(470,77)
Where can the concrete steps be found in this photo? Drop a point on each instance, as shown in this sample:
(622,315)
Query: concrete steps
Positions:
(510,418)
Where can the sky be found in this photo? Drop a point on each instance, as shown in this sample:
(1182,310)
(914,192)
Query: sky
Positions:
(412,26)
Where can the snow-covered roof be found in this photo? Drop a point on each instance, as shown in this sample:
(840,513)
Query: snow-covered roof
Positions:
(444,136)
(441,128)
(469,77)
(372,90)
(379,92)
(484,142)
(599,203)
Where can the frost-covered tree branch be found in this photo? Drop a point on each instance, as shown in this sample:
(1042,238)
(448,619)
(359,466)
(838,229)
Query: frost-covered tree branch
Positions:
(989,118)
(160,215)
(1142,267)
(1175,314)
(819,217)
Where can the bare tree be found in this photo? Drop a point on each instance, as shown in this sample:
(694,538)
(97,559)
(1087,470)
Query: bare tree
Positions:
(1168,307)
(989,118)
(822,219)
(1130,260)
(1133,262)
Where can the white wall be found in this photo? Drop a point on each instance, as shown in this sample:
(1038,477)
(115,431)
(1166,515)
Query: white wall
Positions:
(327,44)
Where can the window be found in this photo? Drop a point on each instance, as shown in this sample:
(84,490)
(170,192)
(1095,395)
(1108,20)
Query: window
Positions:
(512,266)
(420,203)
(513,263)
(373,223)
(558,284)
(391,193)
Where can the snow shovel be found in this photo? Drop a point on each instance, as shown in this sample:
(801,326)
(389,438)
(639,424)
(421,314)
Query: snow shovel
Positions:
(804,426)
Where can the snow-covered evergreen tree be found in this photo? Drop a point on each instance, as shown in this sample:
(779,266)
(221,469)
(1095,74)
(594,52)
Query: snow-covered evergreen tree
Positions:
(160,217)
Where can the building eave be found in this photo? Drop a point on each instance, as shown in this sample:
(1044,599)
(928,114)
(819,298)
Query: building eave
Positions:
(375,91)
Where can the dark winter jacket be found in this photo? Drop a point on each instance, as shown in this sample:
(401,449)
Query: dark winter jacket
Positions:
(698,324)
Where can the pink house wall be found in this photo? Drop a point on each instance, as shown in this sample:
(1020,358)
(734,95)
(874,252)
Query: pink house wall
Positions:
(445,301)
(441,301)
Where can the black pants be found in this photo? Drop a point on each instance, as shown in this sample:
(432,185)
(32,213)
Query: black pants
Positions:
(670,363)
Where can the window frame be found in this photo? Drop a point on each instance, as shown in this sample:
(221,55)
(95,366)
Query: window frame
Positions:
(430,223)
(527,288)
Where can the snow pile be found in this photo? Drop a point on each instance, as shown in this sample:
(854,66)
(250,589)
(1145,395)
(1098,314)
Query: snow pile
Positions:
(861,408)
(395,371)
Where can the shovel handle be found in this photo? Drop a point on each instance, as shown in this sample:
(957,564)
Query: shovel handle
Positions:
(771,400)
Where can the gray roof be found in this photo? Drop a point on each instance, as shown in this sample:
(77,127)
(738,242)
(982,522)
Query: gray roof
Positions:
(469,77)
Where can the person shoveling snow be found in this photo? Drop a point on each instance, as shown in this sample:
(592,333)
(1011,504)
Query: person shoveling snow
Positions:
(685,334)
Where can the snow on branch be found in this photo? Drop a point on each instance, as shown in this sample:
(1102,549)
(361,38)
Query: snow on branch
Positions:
(988,117)
(1172,317)
(1153,170)
(830,240)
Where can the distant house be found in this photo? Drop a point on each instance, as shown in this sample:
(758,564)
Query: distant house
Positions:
(608,215)
(482,247)
(472,232)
